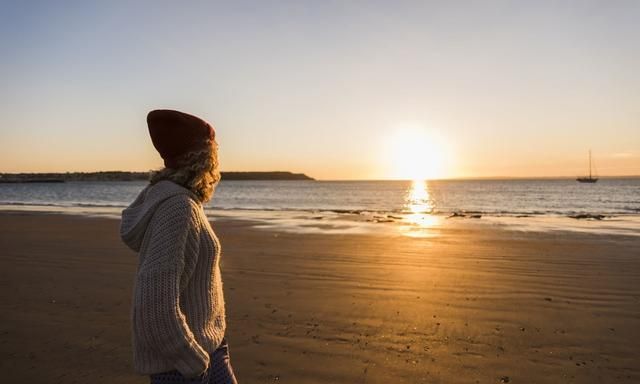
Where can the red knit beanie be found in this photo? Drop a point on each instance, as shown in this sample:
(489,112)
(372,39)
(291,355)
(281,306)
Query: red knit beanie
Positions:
(175,133)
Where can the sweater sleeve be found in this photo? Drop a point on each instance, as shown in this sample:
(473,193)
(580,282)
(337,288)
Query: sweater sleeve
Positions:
(173,244)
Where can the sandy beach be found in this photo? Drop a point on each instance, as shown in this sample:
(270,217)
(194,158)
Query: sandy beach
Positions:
(467,305)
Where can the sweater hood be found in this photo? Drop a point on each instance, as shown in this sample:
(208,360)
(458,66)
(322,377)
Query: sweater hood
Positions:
(136,217)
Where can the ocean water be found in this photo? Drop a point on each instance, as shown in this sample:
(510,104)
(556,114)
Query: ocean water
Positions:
(374,201)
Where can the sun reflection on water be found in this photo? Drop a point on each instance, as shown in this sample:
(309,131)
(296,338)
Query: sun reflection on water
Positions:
(420,205)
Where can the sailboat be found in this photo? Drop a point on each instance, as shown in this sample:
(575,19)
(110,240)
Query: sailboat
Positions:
(588,179)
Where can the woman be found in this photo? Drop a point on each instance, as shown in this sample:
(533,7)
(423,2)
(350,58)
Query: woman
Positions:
(178,311)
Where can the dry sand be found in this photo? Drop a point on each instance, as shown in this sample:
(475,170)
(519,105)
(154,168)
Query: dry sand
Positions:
(470,305)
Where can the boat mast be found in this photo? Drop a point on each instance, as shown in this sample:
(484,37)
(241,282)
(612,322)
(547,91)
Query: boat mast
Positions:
(590,164)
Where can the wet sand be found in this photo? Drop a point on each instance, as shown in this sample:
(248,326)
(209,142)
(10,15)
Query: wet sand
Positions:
(468,305)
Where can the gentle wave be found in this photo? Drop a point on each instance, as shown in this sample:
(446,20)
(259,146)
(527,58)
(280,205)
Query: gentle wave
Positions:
(628,211)
(65,204)
(485,198)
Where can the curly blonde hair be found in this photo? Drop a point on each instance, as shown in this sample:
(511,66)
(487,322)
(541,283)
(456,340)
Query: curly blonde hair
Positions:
(197,171)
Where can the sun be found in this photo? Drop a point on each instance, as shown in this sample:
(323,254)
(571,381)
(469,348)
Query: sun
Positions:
(417,154)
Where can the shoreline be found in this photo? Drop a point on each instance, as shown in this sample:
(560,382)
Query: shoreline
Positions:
(354,222)
(472,304)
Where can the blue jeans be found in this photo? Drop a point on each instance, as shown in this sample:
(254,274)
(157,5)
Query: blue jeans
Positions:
(218,372)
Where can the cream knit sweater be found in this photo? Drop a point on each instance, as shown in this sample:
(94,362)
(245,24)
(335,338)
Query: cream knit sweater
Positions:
(177,314)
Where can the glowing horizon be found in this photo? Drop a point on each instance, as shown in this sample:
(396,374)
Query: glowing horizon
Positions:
(338,91)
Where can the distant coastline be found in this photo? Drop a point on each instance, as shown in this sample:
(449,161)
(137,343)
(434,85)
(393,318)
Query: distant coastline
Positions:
(135,176)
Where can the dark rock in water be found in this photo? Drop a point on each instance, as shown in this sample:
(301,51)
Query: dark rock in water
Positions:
(587,216)
(349,211)
(459,214)
(505,379)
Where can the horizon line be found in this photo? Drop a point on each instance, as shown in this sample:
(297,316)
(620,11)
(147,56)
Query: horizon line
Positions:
(464,178)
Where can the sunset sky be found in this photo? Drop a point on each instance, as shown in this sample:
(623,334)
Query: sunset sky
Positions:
(334,89)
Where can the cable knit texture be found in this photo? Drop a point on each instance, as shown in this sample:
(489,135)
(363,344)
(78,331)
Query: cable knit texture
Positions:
(177,314)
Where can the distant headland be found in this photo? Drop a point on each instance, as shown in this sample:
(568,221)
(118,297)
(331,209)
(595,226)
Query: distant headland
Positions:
(135,176)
